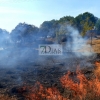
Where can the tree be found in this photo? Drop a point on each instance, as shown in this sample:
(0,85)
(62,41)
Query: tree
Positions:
(98,25)
(85,21)
(68,19)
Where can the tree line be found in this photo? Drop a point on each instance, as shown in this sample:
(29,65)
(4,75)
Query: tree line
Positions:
(55,28)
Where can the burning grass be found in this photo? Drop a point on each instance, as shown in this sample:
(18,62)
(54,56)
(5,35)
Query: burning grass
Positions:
(77,88)
(6,97)
(39,92)
(53,84)
(97,69)
(83,88)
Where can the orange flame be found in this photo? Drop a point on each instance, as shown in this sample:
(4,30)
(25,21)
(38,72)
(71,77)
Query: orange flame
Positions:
(97,69)
(82,89)
(38,92)
(78,88)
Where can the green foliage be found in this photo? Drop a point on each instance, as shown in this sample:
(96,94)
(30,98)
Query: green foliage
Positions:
(98,25)
(68,19)
(48,28)
(85,22)
(57,28)
(82,22)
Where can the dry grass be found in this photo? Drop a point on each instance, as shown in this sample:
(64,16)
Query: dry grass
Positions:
(94,48)
(6,97)
(95,45)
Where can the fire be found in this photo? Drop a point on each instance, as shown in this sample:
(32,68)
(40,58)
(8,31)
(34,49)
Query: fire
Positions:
(97,69)
(38,92)
(79,87)
(83,88)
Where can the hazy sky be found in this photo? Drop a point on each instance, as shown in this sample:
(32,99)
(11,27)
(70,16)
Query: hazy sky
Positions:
(36,11)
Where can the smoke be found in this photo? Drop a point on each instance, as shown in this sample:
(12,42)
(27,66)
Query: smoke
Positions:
(19,51)
(18,46)
(21,45)
(77,44)
(76,51)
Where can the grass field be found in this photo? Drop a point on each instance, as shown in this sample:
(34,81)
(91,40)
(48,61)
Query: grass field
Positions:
(95,45)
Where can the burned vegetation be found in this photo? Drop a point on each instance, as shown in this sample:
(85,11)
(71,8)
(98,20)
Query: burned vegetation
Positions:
(26,75)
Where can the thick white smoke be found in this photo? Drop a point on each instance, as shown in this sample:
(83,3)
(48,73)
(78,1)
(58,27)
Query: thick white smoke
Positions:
(77,44)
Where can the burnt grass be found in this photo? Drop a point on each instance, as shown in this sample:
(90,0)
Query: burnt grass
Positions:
(47,71)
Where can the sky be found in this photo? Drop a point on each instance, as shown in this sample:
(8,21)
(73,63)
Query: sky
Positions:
(35,12)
